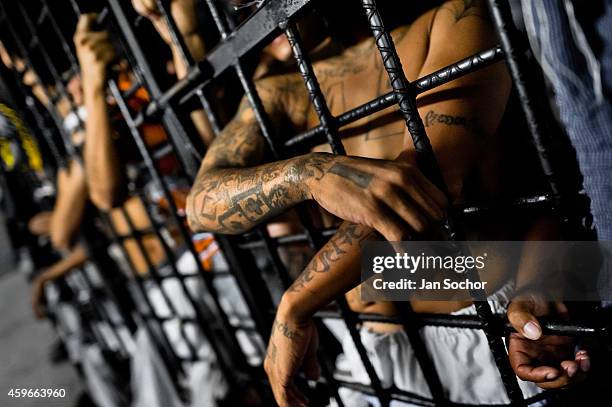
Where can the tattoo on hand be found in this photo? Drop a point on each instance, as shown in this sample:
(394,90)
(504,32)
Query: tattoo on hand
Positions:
(359,178)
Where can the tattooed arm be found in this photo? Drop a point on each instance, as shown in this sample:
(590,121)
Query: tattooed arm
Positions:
(234,192)
(294,341)
(459,117)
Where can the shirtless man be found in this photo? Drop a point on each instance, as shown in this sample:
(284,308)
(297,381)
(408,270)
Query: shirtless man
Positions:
(236,190)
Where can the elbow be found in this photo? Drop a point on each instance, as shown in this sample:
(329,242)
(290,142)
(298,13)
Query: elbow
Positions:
(201,216)
(193,219)
(105,200)
(61,240)
(61,232)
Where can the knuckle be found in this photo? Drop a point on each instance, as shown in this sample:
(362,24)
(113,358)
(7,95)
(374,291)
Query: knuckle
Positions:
(405,177)
(386,189)
(419,225)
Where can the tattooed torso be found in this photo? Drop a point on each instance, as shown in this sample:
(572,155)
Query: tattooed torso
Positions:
(228,202)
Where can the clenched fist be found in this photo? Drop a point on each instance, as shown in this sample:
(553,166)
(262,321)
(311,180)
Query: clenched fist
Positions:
(183,12)
(94,51)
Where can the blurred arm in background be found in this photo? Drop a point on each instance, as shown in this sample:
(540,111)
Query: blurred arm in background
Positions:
(185,16)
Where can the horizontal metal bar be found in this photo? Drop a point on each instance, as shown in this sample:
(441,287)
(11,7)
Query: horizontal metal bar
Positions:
(447,74)
(474,322)
(394,393)
(415,399)
(524,203)
(261,26)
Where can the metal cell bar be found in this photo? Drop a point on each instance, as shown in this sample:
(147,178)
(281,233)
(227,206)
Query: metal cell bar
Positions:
(549,326)
(518,67)
(217,309)
(178,41)
(59,82)
(428,82)
(188,156)
(265,127)
(58,32)
(155,274)
(328,122)
(25,56)
(175,128)
(169,356)
(101,312)
(210,318)
(164,6)
(261,26)
(534,202)
(427,163)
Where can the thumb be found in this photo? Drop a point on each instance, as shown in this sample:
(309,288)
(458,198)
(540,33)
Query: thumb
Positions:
(312,370)
(520,314)
(85,22)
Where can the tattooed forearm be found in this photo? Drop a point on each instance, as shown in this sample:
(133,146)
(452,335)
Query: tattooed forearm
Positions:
(233,200)
(284,329)
(348,236)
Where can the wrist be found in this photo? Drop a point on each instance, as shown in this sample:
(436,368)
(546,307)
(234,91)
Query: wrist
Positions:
(41,279)
(309,169)
(94,88)
(292,309)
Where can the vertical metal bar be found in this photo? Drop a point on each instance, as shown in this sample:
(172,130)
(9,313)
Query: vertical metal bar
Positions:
(518,67)
(171,359)
(328,122)
(154,273)
(25,56)
(406,99)
(317,98)
(58,32)
(188,156)
(275,148)
(100,311)
(177,39)
(59,83)
(225,326)
(217,18)
(205,328)
(179,42)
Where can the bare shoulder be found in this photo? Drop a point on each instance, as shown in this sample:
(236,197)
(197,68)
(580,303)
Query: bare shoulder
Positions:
(285,98)
(458,29)
(462,18)
(464,10)
(241,143)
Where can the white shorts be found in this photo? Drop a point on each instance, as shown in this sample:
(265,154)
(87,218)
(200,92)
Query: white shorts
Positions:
(462,358)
